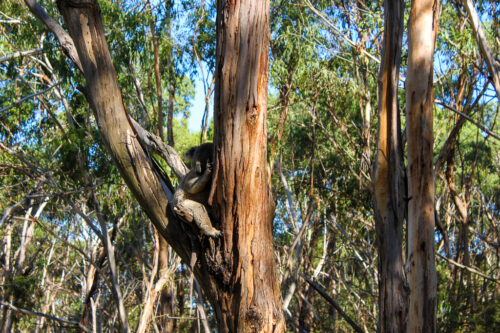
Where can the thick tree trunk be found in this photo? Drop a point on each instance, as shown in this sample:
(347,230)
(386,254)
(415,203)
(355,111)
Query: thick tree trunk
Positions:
(248,299)
(237,271)
(389,179)
(424,18)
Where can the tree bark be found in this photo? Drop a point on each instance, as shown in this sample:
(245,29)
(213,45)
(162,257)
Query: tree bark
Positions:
(424,19)
(249,299)
(389,186)
(237,272)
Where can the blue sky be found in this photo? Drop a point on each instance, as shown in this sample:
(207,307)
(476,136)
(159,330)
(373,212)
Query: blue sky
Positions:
(194,122)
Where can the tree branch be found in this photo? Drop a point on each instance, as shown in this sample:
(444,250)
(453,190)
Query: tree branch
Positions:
(468,268)
(156,144)
(22,100)
(62,36)
(21,54)
(483,44)
(481,127)
(334,304)
(40,314)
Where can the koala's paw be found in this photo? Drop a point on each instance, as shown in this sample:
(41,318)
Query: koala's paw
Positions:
(209,167)
(212,232)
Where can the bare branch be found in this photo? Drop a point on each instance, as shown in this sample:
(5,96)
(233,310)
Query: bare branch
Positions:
(21,54)
(62,36)
(334,304)
(481,127)
(483,44)
(25,98)
(470,269)
(168,153)
(40,314)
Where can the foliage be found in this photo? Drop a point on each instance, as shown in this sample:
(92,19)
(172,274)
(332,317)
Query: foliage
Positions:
(323,85)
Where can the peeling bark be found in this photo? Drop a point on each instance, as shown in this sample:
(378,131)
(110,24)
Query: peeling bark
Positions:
(250,300)
(389,186)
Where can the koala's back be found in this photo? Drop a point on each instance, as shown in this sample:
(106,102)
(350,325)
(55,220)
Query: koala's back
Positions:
(202,153)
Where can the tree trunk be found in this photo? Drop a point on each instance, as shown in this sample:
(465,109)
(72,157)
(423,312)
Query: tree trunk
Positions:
(237,271)
(249,298)
(156,66)
(424,19)
(389,179)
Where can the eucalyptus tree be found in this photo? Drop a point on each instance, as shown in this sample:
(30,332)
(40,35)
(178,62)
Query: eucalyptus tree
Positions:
(236,273)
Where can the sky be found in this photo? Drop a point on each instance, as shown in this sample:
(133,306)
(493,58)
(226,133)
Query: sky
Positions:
(194,122)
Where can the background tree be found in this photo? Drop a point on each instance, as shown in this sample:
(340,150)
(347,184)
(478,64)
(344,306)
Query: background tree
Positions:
(389,179)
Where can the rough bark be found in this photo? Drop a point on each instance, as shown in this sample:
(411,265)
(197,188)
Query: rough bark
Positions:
(248,299)
(424,17)
(389,179)
(236,272)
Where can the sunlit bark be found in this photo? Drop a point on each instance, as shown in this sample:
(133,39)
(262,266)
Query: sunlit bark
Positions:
(250,299)
(389,179)
(424,17)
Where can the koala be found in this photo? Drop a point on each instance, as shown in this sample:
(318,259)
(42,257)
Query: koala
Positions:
(191,196)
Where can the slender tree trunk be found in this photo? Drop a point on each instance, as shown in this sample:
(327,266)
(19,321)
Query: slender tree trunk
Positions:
(389,179)
(157,72)
(423,25)
(167,294)
(242,200)
(171,85)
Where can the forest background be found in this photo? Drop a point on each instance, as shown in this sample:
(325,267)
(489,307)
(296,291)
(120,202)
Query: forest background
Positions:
(60,191)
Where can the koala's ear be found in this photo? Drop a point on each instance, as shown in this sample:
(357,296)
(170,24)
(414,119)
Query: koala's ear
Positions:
(190,153)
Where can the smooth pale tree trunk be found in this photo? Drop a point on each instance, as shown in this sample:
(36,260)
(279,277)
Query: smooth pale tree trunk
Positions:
(389,179)
(241,194)
(423,26)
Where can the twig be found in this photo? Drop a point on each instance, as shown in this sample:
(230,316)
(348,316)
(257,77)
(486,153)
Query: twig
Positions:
(481,127)
(334,304)
(470,269)
(40,314)
(28,97)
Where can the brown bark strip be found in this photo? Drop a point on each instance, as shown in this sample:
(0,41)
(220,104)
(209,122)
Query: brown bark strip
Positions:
(424,18)
(243,200)
(389,179)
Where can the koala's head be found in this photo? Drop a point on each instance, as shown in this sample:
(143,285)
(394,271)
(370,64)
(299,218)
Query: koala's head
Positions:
(199,156)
